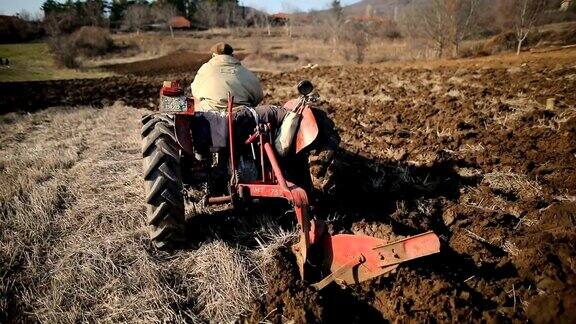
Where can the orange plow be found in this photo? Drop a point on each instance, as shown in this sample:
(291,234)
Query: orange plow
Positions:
(350,259)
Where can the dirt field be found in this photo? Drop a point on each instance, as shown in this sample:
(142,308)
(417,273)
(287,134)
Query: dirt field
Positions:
(467,148)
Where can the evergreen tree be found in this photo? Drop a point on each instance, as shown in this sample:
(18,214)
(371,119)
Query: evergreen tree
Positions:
(118,10)
(51,6)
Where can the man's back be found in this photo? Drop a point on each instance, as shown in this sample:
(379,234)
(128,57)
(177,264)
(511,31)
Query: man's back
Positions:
(223,74)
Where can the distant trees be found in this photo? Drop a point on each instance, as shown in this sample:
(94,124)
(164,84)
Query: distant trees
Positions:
(91,12)
(329,25)
(118,9)
(51,6)
(207,14)
(65,22)
(162,13)
(219,13)
(348,37)
(447,23)
(134,14)
(443,22)
(260,19)
(136,17)
(65,18)
(24,27)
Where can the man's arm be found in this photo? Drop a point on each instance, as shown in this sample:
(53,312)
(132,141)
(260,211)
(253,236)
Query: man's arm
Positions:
(197,82)
(258,94)
(253,86)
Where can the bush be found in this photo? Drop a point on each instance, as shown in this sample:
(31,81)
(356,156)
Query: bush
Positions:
(500,43)
(92,41)
(385,30)
(62,23)
(88,41)
(474,49)
(77,30)
(65,52)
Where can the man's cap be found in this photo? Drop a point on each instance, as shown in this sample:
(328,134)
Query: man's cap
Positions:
(222,49)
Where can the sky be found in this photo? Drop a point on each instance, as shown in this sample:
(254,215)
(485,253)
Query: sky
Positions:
(10,7)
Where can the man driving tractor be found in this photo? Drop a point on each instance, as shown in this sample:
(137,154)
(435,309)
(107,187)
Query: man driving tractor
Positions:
(225,74)
(222,74)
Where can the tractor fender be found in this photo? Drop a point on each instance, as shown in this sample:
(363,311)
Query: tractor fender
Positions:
(308,129)
(183,131)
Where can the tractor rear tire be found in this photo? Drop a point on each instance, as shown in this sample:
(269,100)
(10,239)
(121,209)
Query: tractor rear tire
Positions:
(322,157)
(163,181)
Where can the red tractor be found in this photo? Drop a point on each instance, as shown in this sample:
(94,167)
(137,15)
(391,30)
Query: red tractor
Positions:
(179,171)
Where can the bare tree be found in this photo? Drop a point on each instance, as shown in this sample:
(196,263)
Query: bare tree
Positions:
(443,22)
(136,17)
(428,21)
(163,13)
(268,23)
(294,12)
(460,14)
(264,19)
(522,15)
(93,13)
(356,34)
(232,15)
(207,14)
(260,19)
(328,25)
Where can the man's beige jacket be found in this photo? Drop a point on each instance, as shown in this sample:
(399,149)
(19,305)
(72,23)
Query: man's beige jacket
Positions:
(224,73)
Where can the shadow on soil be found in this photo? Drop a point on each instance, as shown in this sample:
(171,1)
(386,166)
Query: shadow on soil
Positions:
(410,199)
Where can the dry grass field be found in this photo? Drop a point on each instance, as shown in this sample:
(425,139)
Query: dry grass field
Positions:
(73,244)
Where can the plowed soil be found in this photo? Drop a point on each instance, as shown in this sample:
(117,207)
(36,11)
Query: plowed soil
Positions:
(482,152)
(177,62)
(474,153)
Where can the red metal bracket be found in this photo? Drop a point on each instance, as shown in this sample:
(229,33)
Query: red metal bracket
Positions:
(379,256)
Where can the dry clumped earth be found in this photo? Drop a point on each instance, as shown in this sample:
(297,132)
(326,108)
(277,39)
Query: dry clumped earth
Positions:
(469,149)
(472,152)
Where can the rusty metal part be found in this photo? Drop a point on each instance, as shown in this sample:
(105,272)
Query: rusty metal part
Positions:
(340,272)
(280,188)
(308,128)
(219,200)
(378,256)
(182,128)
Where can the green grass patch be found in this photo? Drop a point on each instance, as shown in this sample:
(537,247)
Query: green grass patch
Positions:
(33,61)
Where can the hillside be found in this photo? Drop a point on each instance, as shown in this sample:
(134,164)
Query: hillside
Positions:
(378,7)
